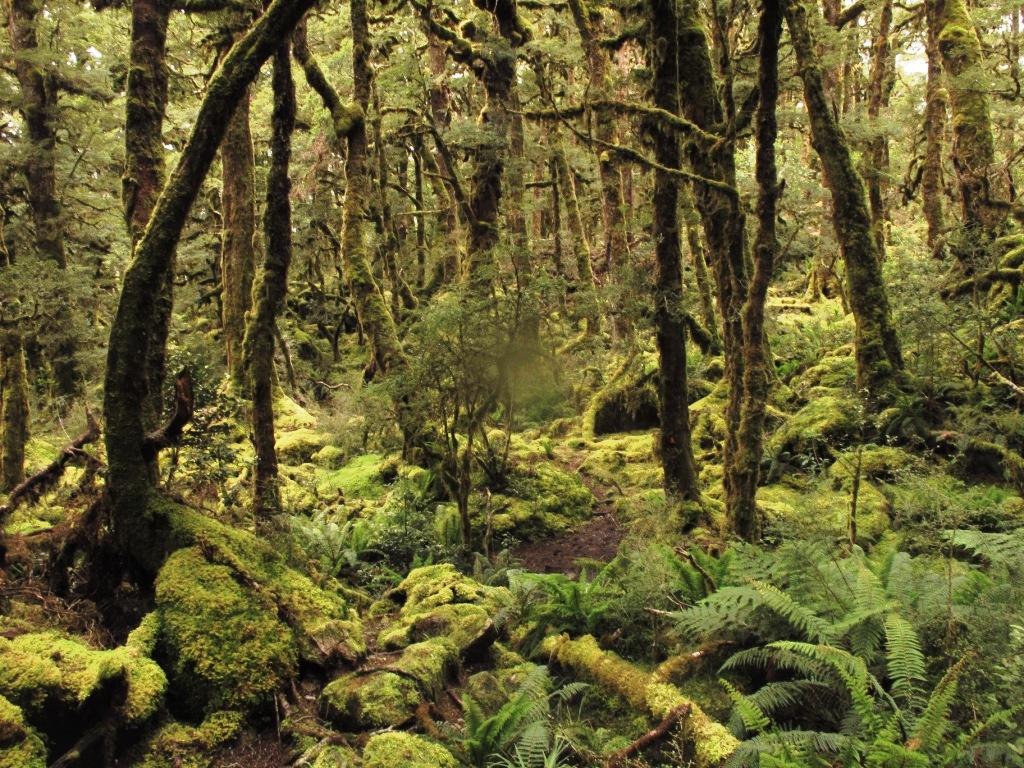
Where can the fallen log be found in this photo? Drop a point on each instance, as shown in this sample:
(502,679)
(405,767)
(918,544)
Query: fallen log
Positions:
(41,481)
(711,742)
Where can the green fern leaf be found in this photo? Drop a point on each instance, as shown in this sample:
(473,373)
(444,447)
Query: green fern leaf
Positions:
(813,627)
(906,664)
(931,725)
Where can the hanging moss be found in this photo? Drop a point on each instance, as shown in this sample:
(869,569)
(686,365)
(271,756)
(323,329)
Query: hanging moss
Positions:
(406,750)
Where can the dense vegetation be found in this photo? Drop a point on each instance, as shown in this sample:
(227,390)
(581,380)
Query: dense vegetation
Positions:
(511,383)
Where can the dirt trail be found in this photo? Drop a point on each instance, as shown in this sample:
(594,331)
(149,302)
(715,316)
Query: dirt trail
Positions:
(596,539)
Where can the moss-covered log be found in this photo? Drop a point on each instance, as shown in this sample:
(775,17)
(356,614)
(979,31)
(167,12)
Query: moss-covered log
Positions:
(136,519)
(879,360)
(712,744)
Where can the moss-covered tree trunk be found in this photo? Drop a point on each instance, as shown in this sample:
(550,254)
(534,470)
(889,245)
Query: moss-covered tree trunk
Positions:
(722,216)
(237,250)
(450,263)
(376,320)
(143,176)
(676,448)
(13,409)
(613,217)
(981,188)
(745,470)
(586,286)
(270,290)
(935,117)
(136,519)
(38,90)
(876,160)
(705,289)
(877,349)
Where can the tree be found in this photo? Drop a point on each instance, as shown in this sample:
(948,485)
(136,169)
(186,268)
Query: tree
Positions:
(137,521)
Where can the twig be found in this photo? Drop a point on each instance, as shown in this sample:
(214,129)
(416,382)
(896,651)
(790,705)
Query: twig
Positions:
(656,734)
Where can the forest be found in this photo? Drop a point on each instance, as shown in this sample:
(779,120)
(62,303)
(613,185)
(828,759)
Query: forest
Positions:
(511,383)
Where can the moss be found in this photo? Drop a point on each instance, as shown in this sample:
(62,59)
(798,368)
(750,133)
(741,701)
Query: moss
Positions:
(487,691)
(835,372)
(406,750)
(226,646)
(365,477)
(366,701)
(815,511)
(289,415)
(877,462)
(299,445)
(48,669)
(825,422)
(186,746)
(712,743)
(430,663)
(330,457)
(541,500)
(20,746)
(333,756)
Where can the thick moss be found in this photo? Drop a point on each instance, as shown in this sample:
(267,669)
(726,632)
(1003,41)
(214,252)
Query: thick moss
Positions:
(406,750)
(186,746)
(20,747)
(365,477)
(299,445)
(824,511)
(48,670)
(542,500)
(366,701)
(226,647)
(825,423)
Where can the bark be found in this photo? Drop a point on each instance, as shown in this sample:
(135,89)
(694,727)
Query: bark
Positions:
(616,243)
(721,214)
(745,471)
(374,317)
(38,106)
(877,351)
(137,519)
(935,128)
(676,448)
(238,250)
(880,85)
(13,409)
(271,288)
(981,188)
(143,177)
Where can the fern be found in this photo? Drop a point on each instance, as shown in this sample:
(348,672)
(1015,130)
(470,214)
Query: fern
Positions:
(1001,549)
(752,716)
(810,626)
(906,664)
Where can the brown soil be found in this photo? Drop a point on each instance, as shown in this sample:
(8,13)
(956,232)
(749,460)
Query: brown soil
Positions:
(597,539)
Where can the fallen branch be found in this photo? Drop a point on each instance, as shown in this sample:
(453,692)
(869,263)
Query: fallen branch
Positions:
(656,734)
(41,481)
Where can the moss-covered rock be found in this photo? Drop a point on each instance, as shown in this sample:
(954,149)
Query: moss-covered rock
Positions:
(299,445)
(20,746)
(541,500)
(370,700)
(406,750)
(189,746)
(364,477)
(824,424)
(47,670)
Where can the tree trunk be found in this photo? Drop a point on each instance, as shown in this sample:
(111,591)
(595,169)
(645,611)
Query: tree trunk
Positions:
(38,106)
(745,471)
(271,287)
(877,350)
(719,207)
(376,320)
(13,409)
(700,269)
(981,189)
(136,519)
(935,128)
(238,251)
(143,176)
(678,465)
(877,156)
(586,299)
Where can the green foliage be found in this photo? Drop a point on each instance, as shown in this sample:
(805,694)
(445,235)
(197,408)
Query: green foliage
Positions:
(337,548)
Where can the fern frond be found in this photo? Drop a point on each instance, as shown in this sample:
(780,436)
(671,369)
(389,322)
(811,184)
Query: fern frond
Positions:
(813,627)
(906,664)
(800,747)
(932,723)
(773,697)
(1001,549)
(753,718)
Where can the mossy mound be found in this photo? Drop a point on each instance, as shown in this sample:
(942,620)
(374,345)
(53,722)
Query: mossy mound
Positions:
(882,463)
(20,746)
(826,423)
(48,674)
(299,445)
(189,746)
(541,500)
(820,511)
(833,372)
(625,462)
(406,750)
(371,700)
(234,621)
(365,477)
(438,601)
(627,403)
